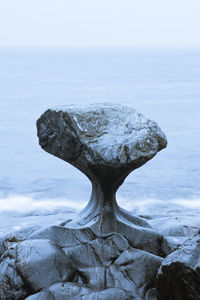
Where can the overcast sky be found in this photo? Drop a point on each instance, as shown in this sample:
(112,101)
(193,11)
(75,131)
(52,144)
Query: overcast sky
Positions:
(138,23)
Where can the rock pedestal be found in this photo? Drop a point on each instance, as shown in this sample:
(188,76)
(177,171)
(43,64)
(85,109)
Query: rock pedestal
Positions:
(106,142)
(104,252)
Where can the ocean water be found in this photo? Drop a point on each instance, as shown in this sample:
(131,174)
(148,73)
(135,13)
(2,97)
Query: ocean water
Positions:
(163,85)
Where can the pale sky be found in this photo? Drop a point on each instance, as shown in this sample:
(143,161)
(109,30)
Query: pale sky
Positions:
(136,23)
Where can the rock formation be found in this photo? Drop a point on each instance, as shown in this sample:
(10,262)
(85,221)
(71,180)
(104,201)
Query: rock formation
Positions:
(105,142)
(104,252)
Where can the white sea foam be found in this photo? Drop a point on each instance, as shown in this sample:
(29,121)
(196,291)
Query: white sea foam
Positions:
(21,213)
(23,203)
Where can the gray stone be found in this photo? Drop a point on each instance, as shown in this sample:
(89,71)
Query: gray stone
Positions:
(31,265)
(91,260)
(105,264)
(8,240)
(102,134)
(11,283)
(64,291)
(138,268)
(106,142)
(41,263)
(42,233)
(179,274)
(65,237)
(104,252)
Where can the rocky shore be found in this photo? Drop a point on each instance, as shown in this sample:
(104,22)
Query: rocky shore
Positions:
(103,252)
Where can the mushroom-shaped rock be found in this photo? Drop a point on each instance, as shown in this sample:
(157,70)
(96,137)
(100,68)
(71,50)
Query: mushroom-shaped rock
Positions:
(106,142)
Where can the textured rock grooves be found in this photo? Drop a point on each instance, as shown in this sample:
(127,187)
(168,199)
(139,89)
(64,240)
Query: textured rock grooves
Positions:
(179,274)
(106,143)
(104,252)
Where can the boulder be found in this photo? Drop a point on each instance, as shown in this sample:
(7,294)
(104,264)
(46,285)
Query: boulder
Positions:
(179,274)
(101,268)
(12,285)
(29,266)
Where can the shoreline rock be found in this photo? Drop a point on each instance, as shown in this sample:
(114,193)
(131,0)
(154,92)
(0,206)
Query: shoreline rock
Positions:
(179,274)
(104,252)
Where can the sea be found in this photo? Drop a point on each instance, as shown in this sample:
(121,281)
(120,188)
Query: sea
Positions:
(162,84)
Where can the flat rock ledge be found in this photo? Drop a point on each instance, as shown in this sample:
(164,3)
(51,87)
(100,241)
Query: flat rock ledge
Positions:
(104,252)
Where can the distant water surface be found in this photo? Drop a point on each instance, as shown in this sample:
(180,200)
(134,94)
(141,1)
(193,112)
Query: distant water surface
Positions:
(163,85)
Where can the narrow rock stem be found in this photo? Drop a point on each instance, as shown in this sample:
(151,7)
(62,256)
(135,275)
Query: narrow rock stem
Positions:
(102,201)
(102,209)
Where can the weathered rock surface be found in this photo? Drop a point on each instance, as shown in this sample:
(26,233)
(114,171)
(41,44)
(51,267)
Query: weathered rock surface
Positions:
(179,274)
(101,268)
(104,252)
(101,134)
(74,291)
(106,142)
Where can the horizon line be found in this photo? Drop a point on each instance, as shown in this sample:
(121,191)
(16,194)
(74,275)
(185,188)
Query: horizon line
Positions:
(132,47)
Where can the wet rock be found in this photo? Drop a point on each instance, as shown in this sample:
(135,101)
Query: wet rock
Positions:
(42,233)
(129,275)
(179,275)
(106,142)
(145,267)
(104,252)
(62,291)
(11,283)
(8,240)
(31,265)
(105,263)
(138,237)
(39,263)
(101,135)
